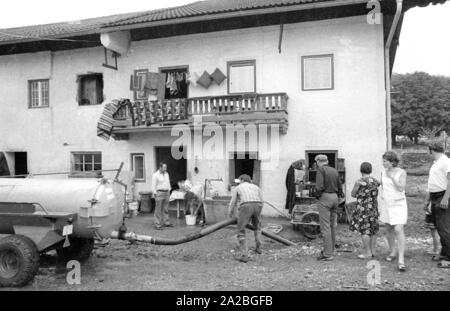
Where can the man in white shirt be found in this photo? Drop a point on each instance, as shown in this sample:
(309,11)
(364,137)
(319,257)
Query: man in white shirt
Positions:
(439,196)
(248,199)
(161,191)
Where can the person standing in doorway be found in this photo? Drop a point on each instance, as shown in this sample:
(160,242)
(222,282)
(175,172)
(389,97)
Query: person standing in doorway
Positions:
(438,195)
(250,201)
(393,207)
(161,191)
(328,189)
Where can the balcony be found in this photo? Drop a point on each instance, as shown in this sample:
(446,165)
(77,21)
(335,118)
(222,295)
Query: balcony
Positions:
(146,116)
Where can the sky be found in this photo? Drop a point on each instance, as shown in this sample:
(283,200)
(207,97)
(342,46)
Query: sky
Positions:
(424,42)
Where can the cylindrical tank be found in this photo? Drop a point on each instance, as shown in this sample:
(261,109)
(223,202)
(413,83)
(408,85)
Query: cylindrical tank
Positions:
(99,203)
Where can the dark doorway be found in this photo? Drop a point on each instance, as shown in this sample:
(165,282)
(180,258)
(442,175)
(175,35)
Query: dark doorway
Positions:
(177,169)
(245,163)
(20,163)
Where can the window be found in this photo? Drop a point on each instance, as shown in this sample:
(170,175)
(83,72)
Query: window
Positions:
(317,72)
(86,161)
(39,93)
(176,82)
(138,166)
(242,77)
(90,89)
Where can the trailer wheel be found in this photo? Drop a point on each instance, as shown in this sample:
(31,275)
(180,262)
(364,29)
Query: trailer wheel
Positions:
(19,261)
(311,231)
(79,249)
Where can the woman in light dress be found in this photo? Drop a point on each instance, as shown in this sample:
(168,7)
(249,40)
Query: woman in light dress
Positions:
(393,207)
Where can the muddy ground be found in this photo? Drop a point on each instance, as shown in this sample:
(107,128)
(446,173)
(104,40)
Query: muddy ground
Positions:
(207,264)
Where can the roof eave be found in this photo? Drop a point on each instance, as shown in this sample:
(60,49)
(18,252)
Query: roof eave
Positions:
(208,17)
(53,37)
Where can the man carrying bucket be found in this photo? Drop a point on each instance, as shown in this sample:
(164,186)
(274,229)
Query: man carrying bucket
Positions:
(250,201)
(194,202)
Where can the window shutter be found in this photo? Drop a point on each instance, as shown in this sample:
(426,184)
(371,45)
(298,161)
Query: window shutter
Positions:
(257,172)
(162,86)
(231,171)
(99,89)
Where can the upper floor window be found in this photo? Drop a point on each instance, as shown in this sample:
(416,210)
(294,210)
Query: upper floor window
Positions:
(317,72)
(242,77)
(39,93)
(90,89)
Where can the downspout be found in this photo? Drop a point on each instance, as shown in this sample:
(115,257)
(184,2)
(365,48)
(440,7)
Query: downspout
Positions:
(388,73)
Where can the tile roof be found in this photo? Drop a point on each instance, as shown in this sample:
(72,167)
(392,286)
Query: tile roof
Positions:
(209,7)
(66,29)
(199,8)
(94,25)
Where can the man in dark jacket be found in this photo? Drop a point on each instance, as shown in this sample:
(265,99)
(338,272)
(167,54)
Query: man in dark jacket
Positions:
(328,189)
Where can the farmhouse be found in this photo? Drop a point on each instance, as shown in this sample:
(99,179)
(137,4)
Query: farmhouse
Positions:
(310,76)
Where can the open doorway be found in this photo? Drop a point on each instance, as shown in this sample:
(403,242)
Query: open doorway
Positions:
(17,163)
(177,169)
(245,163)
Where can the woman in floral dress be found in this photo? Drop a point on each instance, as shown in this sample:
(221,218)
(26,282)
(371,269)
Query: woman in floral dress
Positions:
(365,215)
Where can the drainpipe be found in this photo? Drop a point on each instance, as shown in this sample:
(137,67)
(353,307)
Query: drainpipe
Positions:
(388,75)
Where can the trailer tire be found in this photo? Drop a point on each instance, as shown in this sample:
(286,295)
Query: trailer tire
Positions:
(19,261)
(312,231)
(80,249)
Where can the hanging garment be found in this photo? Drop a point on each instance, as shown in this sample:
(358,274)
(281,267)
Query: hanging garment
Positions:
(172,84)
(192,78)
(155,84)
(4,169)
(291,185)
(105,124)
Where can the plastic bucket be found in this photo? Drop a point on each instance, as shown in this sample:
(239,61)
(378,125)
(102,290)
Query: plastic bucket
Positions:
(190,220)
(133,206)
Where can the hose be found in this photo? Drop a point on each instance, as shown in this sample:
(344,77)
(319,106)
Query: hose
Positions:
(279,212)
(131,236)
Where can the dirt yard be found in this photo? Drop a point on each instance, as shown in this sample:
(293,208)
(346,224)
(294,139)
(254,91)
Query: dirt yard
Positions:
(207,264)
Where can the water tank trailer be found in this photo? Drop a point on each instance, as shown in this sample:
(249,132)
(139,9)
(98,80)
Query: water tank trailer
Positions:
(67,215)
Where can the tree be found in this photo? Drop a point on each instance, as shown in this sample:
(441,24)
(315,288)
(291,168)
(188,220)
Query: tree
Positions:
(420,101)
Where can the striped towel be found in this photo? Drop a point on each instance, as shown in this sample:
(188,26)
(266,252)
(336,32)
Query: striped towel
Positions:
(105,124)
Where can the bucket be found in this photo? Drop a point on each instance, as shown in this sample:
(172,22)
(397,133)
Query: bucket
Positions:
(133,206)
(190,220)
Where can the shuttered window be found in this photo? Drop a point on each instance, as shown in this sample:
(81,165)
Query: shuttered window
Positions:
(317,72)
(242,77)
(39,93)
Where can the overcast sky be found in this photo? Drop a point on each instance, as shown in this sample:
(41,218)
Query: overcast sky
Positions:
(424,42)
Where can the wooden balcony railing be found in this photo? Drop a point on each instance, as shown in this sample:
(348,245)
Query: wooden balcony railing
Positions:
(237,103)
(145,113)
(257,108)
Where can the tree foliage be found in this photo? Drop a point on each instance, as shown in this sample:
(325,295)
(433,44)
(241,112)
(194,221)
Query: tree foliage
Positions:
(420,101)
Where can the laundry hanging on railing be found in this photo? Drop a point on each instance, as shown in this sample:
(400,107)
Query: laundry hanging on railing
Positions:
(140,113)
(151,83)
(106,122)
(146,113)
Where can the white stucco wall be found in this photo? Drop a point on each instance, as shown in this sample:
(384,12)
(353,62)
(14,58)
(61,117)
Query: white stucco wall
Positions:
(350,118)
